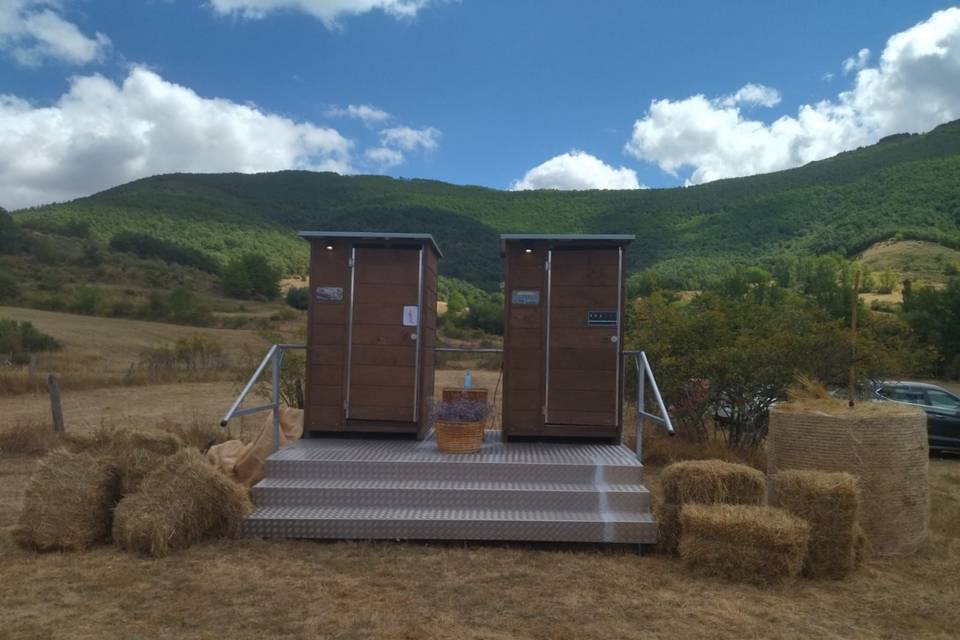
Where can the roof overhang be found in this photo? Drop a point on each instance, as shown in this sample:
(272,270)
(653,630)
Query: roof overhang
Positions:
(559,240)
(375,236)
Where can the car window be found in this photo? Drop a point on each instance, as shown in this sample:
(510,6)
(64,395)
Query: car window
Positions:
(905,394)
(942,400)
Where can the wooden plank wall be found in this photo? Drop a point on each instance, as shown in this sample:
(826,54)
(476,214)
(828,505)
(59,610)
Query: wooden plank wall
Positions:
(326,338)
(523,375)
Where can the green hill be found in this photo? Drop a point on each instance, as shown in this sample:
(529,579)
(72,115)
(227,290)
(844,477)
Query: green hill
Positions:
(906,184)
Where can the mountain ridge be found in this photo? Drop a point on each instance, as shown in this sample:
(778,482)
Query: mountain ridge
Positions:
(906,183)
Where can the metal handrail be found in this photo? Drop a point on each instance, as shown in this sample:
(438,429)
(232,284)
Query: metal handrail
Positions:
(275,358)
(276,352)
(644,372)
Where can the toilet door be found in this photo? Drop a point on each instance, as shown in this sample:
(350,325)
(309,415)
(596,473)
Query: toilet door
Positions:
(383,334)
(583,336)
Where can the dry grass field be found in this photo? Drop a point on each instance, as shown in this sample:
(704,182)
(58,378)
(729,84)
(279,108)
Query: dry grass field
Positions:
(299,589)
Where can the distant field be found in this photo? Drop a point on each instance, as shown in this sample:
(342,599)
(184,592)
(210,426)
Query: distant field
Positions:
(921,262)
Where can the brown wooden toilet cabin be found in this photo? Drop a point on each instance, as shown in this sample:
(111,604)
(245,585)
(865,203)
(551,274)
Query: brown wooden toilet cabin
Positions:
(371,333)
(563,335)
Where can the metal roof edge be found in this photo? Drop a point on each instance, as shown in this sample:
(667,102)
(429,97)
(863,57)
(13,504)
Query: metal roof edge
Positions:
(372,235)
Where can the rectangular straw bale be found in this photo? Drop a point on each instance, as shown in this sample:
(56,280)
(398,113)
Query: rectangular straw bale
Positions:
(743,543)
(180,502)
(703,482)
(69,502)
(830,502)
(135,452)
(712,482)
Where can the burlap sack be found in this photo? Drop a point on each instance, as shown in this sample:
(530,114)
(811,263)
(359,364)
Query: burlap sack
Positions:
(245,463)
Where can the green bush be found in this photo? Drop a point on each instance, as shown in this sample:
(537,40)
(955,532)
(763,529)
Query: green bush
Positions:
(20,339)
(298,297)
(11,237)
(251,276)
(146,246)
(9,289)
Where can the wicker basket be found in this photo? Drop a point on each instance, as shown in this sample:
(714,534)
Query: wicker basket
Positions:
(459,437)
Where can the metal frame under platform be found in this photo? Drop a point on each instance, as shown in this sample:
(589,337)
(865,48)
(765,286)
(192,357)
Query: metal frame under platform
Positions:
(363,488)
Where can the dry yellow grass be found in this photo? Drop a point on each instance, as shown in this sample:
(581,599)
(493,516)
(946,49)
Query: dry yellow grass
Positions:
(246,589)
(98,352)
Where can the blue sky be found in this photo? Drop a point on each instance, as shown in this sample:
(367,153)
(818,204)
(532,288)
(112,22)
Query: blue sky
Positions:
(494,93)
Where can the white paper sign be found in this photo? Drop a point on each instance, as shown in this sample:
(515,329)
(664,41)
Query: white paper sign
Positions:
(410,314)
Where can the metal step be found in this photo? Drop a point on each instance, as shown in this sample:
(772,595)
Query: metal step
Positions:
(450,524)
(451,494)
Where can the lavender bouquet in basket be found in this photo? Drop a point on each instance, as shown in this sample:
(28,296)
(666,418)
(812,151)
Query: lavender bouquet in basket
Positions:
(459,425)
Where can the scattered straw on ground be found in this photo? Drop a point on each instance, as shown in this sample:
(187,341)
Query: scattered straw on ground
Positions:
(69,502)
(743,543)
(182,501)
(830,503)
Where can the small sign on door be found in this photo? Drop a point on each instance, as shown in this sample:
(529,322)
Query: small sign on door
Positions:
(411,313)
(329,294)
(519,296)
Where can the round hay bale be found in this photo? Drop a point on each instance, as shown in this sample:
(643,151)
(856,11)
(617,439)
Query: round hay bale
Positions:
(884,445)
(69,502)
(830,502)
(180,502)
(742,542)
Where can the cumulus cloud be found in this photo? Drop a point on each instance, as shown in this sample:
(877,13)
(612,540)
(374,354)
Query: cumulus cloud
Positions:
(33,32)
(100,134)
(753,94)
(384,156)
(576,170)
(915,86)
(365,112)
(857,62)
(327,11)
(409,139)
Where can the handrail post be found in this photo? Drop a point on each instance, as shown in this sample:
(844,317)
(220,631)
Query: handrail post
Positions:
(275,396)
(641,403)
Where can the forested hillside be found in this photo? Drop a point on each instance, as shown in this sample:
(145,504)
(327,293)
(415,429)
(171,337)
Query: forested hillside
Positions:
(905,184)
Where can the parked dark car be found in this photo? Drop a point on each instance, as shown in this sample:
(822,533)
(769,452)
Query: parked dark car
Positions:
(942,408)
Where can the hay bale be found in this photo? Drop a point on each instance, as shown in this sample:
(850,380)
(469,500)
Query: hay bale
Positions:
(703,482)
(180,502)
(883,445)
(69,502)
(830,503)
(744,543)
(712,482)
(135,452)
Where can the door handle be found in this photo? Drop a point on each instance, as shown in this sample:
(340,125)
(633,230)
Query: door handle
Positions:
(614,339)
(413,336)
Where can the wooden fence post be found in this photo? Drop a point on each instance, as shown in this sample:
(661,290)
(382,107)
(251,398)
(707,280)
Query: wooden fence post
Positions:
(54,382)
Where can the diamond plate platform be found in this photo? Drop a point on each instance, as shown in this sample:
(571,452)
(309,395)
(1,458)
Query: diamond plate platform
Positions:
(405,489)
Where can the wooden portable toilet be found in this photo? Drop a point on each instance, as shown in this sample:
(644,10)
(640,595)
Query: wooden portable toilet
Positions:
(372,331)
(563,335)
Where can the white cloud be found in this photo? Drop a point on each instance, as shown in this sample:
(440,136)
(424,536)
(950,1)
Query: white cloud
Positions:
(384,156)
(915,86)
(753,94)
(576,170)
(857,62)
(327,11)
(409,139)
(100,134)
(34,32)
(365,112)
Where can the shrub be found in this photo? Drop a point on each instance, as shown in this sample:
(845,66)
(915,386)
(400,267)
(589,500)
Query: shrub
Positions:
(251,276)
(298,297)
(195,353)
(146,246)
(20,339)
(9,289)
